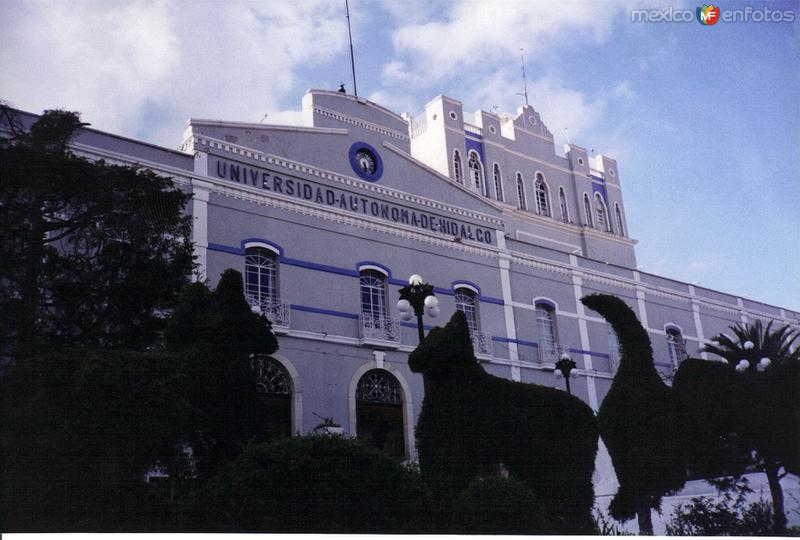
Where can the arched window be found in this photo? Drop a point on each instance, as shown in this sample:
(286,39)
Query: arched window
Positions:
(475,171)
(562,203)
(521,204)
(676,346)
(587,209)
(373,294)
(498,183)
(546,326)
(620,226)
(457,173)
(603,223)
(467,301)
(379,412)
(274,388)
(260,275)
(542,196)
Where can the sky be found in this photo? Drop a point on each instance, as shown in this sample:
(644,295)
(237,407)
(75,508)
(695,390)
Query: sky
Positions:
(704,120)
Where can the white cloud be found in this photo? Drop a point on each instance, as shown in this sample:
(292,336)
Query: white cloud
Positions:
(623,90)
(476,34)
(117,62)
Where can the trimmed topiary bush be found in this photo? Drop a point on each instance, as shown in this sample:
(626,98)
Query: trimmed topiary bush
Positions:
(472,422)
(637,420)
(497,505)
(313,484)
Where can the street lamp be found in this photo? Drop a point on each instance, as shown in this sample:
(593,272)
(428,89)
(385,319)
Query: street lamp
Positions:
(566,368)
(417,298)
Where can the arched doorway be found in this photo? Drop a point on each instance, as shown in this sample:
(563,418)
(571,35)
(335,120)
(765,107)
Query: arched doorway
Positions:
(275,392)
(379,412)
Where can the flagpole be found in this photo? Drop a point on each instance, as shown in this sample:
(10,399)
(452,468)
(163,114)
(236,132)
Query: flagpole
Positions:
(352,60)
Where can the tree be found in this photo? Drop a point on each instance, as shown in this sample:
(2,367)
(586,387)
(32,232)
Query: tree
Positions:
(217,334)
(755,416)
(637,420)
(91,254)
(80,431)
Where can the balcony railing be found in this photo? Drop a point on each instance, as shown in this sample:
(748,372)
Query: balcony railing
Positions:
(379,330)
(278,313)
(549,353)
(481,344)
(473,130)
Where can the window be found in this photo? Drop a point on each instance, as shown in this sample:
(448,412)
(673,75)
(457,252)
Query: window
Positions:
(602,214)
(620,226)
(522,205)
(587,209)
(613,350)
(379,412)
(475,171)
(562,202)
(373,294)
(260,275)
(274,388)
(542,196)
(546,326)
(676,346)
(457,173)
(467,301)
(498,183)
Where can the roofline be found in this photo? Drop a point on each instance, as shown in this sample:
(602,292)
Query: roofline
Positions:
(357,99)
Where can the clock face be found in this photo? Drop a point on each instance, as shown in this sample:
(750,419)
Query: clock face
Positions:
(366,162)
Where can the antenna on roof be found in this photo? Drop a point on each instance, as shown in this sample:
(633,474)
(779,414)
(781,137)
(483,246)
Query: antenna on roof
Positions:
(352,60)
(524,80)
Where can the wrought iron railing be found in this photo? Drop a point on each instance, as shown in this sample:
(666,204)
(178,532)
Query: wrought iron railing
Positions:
(278,313)
(379,328)
(550,352)
(481,343)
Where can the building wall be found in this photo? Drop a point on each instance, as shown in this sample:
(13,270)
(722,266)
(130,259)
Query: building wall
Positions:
(517,258)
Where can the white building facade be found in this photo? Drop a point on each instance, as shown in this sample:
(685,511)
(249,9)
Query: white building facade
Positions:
(327,221)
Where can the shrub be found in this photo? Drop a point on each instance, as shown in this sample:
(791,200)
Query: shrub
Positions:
(704,516)
(497,505)
(313,484)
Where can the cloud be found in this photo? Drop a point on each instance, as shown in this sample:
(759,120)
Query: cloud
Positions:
(476,34)
(142,68)
(623,90)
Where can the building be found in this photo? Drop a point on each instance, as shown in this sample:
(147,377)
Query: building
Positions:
(326,221)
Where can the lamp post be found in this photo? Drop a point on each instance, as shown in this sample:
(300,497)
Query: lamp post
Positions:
(417,298)
(566,368)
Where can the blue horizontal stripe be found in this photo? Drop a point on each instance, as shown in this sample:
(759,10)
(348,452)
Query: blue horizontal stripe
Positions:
(491,300)
(310,309)
(591,353)
(517,341)
(414,325)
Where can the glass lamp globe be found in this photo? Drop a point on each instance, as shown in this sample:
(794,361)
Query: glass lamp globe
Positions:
(403,305)
(406,315)
(431,301)
(573,373)
(416,279)
(434,311)
(748,345)
(558,374)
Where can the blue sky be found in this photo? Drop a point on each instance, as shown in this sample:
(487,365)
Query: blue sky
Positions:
(704,120)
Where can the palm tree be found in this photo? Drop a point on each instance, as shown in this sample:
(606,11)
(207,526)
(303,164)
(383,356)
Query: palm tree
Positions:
(770,412)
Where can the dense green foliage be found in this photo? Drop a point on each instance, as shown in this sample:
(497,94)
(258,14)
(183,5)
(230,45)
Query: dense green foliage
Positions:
(91,254)
(497,505)
(637,420)
(314,484)
(472,422)
(79,433)
(749,418)
(704,516)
